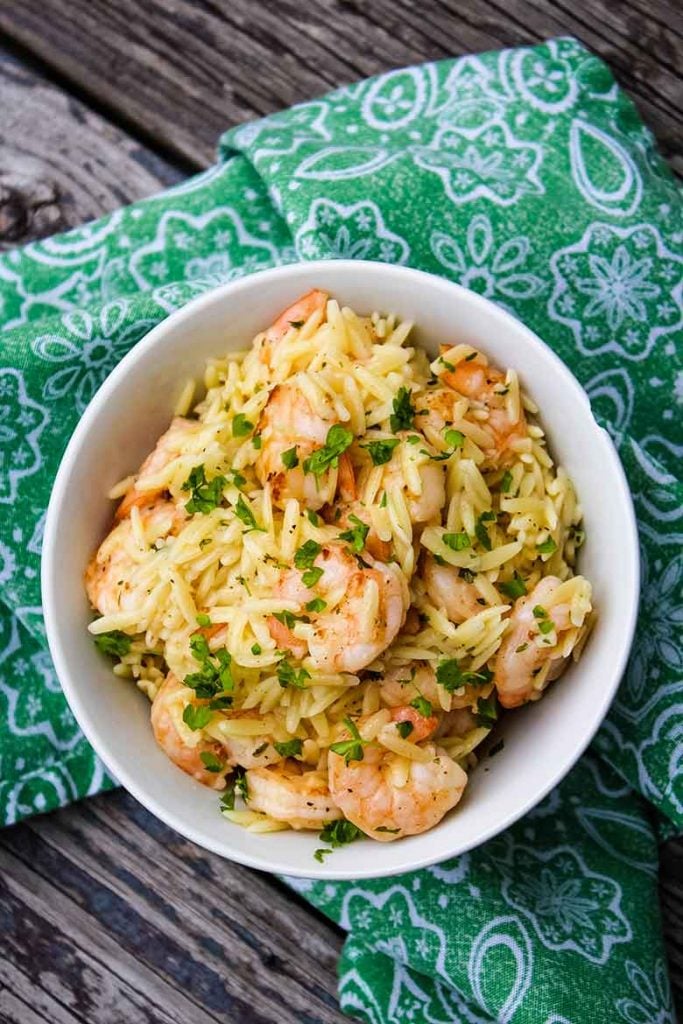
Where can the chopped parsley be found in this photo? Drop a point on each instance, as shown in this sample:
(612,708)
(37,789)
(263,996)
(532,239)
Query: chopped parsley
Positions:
(540,612)
(457,541)
(404,729)
(312,576)
(245,515)
(481,531)
(577,535)
(381,451)
(206,495)
(452,677)
(203,620)
(296,324)
(337,441)
(290,459)
(422,706)
(404,412)
(548,547)
(514,588)
(316,605)
(256,441)
(313,517)
(114,643)
(414,439)
(350,750)
(241,426)
(256,649)
(337,833)
(383,502)
(467,575)
(357,535)
(522,647)
(289,749)
(237,786)
(196,717)
(215,675)
(286,618)
(506,482)
(210,761)
(385,828)
(546,626)
(287,675)
(305,556)
(449,366)
(260,749)
(487,712)
(454,438)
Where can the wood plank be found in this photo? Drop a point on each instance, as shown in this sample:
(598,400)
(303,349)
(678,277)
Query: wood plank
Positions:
(62,164)
(232,942)
(187,69)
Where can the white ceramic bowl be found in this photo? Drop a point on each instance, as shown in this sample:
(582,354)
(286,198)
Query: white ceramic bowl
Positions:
(133,407)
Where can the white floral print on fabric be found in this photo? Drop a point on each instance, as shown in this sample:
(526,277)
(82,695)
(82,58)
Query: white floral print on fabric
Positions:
(486,162)
(357,231)
(650,1000)
(495,271)
(618,289)
(87,350)
(659,624)
(22,421)
(216,242)
(570,906)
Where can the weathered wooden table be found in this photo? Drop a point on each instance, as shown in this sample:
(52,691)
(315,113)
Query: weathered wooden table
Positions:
(106,915)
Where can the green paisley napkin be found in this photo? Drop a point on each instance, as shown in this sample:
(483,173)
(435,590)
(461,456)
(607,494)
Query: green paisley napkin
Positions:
(527,176)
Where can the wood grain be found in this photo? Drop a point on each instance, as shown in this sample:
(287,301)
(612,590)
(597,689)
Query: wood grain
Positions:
(187,69)
(62,164)
(116,918)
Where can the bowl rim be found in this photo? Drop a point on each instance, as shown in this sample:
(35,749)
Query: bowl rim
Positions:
(49,575)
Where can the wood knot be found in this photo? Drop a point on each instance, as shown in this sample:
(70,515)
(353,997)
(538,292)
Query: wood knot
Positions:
(28,209)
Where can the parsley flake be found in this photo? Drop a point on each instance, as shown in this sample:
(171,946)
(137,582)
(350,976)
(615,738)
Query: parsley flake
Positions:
(206,495)
(337,441)
(487,712)
(548,547)
(506,482)
(115,643)
(514,588)
(357,535)
(245,515)
(289,749)
(312,576)
(196,717)
(316,605)
(422,706)
(306,555)
(457,541)
(290,459)
(287,675)
(350,750)
(381,451)
(210,761)
(481,531)
(404,412)
(241,426)
(404,729)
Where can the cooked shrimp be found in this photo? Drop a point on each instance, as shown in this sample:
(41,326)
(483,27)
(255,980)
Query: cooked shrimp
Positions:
(108,575)
(428,499)
(248,751)
(422,725)
(368,794)
(167,448)
(287,793)
(181,744)
(485,387)
(366,606)
(403,683)
(520,662)
(340,515)
(295,315)
(288,422)
(448,590)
